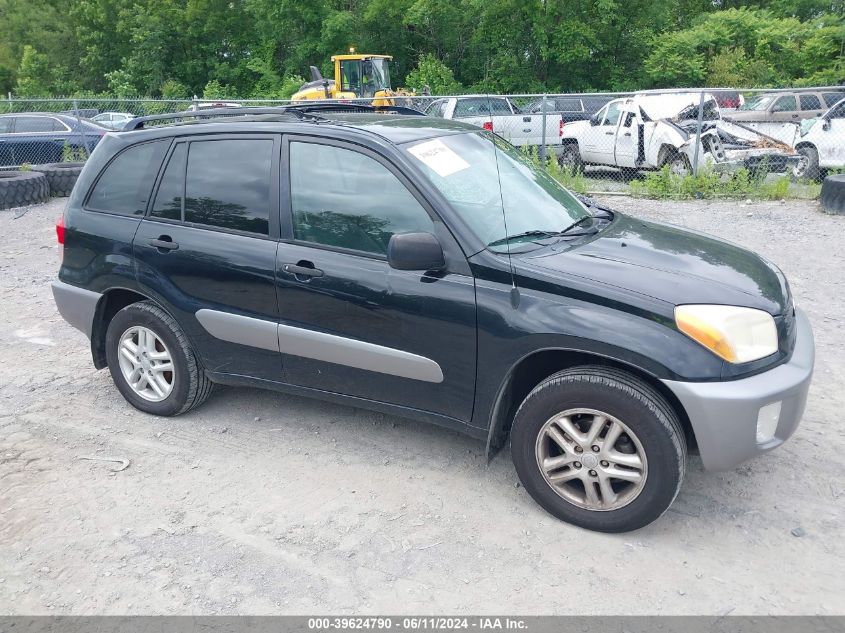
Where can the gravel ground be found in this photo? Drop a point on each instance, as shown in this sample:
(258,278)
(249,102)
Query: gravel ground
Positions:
(263,503)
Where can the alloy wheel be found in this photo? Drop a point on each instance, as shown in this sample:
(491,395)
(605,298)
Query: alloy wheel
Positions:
(591,459)
(146,364)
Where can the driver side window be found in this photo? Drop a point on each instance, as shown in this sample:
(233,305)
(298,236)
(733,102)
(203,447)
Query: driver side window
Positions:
(345,199)
(785,104)
(612,115)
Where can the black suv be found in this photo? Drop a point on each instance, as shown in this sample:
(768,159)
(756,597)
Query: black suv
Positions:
(424,268)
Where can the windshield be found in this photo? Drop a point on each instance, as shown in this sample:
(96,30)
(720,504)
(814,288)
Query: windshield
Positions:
(757,103)
(468,174)
(375,75)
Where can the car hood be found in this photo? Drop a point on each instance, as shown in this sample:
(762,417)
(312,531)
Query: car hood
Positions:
(668,263)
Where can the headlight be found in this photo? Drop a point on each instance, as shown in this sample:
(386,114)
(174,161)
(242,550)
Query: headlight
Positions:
(738,335)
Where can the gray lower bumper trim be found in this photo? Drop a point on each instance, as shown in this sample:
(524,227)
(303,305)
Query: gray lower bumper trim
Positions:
(724,414)
(76,305)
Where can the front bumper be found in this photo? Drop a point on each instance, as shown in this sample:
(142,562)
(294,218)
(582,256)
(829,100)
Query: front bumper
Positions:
(724,414)
(772,163)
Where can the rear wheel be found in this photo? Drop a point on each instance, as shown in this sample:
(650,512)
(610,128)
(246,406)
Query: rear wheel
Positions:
(599,448)
(152,363)
(570,159)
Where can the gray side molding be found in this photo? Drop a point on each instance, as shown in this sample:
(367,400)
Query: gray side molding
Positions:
(353,353)
(243,330)
(76,305)
(329,348)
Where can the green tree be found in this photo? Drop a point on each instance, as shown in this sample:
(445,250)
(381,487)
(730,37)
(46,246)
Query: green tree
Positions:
(433,74)
(35,75)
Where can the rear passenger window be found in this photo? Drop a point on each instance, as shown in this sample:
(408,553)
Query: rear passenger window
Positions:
(168,202)
(345,199)
(810,102)
(228,184)
(125,184)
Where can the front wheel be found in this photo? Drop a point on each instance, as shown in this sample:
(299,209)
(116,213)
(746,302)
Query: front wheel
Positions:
(152,363)
(678,164)
(599,448)
(808,166)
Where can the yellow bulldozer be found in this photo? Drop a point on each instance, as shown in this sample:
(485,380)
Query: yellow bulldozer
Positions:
(356,76)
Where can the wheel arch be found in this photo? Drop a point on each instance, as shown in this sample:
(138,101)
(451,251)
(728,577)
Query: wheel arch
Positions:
(666,151)
(533,368)
(112,302)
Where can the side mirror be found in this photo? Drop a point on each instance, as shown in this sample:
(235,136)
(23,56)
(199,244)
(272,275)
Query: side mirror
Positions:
(415,251)
(826,125)
(594,120)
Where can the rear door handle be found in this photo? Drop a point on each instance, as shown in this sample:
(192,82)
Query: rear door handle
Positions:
(303,271)
(610,133)
(164,242)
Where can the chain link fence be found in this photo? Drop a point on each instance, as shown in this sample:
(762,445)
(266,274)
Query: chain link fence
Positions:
(681,141)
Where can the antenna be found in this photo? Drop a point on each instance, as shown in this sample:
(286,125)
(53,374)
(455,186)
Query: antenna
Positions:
(514,289)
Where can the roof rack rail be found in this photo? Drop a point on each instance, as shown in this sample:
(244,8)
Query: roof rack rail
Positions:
(302,112)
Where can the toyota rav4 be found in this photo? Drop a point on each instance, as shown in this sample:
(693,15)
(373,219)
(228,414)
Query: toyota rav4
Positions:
(424,268)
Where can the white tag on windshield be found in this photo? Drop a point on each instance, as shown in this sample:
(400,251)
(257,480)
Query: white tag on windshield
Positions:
(436,155)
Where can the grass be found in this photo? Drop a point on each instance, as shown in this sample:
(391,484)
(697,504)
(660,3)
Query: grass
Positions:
(663,184)
(742,183)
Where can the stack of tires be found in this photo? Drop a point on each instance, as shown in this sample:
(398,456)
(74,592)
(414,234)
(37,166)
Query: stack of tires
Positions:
(23,188)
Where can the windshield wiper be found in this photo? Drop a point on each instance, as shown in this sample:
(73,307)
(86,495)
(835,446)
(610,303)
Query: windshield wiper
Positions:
(539,233)
(534,233)
(574,224)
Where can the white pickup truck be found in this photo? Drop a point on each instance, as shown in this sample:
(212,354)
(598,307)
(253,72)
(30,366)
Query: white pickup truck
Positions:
(650,130)
(500,115)
(821,143)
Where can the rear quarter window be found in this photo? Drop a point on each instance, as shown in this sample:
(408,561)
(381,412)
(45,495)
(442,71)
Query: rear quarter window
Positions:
(124,186)
(830,98)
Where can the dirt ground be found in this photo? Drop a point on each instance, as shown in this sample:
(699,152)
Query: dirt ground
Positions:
(262,503)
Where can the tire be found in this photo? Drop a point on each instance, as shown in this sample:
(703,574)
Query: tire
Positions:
(678,164)
(189,386)
(570,158)
(648,431)
(809,167)
(22,188)
(833,194)
(61,176)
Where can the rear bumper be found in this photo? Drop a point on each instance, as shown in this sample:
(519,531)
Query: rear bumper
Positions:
(724,415)
(76,305)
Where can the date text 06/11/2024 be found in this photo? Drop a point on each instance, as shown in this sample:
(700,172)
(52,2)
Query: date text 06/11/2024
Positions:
(416,623)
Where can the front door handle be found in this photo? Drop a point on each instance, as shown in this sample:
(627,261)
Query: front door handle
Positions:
(610,133)
(164,243)
(302,271)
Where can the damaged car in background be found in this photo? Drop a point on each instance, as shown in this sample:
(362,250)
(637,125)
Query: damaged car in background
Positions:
(650,130)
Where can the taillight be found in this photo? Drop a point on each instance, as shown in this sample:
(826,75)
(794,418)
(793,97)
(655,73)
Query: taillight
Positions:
(60,235)
(488,125)
(560,129)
